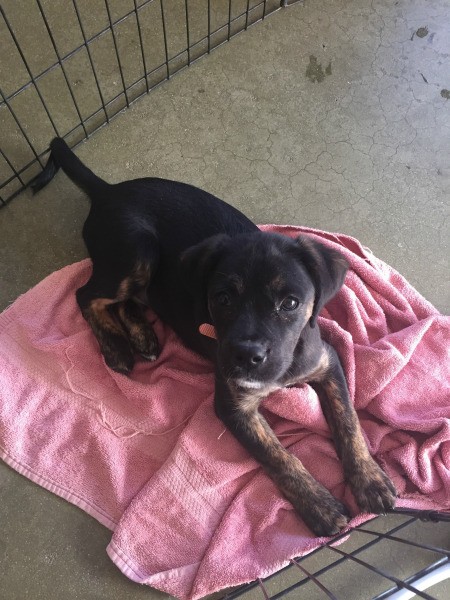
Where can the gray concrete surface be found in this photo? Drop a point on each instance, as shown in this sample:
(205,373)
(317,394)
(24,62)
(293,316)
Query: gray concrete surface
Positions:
(331,114)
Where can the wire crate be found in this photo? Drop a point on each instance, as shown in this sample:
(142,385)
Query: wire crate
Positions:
(352,570)
(72,66)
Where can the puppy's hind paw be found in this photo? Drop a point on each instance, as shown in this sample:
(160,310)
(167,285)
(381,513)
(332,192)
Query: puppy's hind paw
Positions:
(149,357)
(148,347)
(119,358)
(144,341)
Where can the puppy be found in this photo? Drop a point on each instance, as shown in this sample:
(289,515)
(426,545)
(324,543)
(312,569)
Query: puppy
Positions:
(195,259)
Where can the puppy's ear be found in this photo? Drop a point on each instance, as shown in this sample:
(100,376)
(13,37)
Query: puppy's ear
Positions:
(197,262)
(327,269)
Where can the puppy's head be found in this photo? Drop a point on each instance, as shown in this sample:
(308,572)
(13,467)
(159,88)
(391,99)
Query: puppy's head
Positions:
(262,290)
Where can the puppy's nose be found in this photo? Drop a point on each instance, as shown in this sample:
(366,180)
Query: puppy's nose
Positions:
(250,354)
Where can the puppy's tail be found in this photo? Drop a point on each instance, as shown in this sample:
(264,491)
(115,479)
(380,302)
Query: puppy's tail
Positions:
(61,156)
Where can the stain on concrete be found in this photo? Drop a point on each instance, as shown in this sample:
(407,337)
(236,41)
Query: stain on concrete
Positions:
(315,72)
(422,32)
(445,94)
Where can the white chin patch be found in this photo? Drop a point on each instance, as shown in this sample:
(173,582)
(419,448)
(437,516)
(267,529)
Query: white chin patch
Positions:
(249,384)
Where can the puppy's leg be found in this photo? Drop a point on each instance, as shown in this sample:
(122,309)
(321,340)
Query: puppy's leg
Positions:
(373,490)
(322,513)
(140,332)
(97,301)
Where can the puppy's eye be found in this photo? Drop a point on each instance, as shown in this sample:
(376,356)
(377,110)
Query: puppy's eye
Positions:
(289,303)
(223,299)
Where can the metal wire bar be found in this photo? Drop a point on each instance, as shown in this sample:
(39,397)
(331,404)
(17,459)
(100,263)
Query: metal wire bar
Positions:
(286,3)
(414,578)
(22,131)
(403,541)
(24,60)
(2,202)
(263,589)
(165,39)
(247,12)
(209,26)
(52,39)
(141,44)
(187,32)
(237,593)
(399,582)
(11,166)
(119,62)
(424,515)
(94,72)
(314,579)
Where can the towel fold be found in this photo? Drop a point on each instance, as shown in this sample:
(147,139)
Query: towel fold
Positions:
(191,512)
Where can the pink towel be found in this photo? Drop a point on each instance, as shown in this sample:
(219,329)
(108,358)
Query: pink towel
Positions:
(146,456)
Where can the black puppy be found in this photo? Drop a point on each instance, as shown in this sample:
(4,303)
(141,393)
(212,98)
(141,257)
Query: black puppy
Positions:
(194,259)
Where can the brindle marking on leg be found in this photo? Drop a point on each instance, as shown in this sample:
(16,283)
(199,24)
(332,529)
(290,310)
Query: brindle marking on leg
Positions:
(119,327)
(140,332)
(124,291)
(99,313)
(373,490)
(138,280)
(320,510)
(344,424)
(110,334)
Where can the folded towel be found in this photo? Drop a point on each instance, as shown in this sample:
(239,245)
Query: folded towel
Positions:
(191,512)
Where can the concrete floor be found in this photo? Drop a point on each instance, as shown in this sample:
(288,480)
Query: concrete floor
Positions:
(332,114)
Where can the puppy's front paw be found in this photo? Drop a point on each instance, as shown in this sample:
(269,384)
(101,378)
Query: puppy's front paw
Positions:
(374,492)
(321,512)
(326,516)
